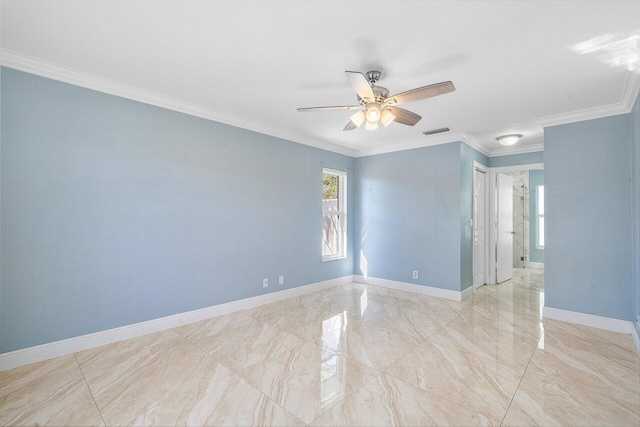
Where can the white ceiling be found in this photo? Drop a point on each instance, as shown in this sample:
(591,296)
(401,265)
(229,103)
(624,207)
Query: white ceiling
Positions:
(252,63)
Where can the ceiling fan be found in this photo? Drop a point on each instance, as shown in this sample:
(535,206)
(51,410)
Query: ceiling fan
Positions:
(375,105)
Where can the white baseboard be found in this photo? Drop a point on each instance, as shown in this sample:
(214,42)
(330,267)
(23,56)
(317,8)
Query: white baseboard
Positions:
(42,352)
(615,325)
(607,323)
(536,264)
(467,293)
(411,287)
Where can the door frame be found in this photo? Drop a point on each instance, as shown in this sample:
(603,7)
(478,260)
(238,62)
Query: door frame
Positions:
(484,169)
(493,230)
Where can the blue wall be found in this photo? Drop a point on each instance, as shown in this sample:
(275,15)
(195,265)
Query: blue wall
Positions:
(406,204)
(635,196)
(536,178)
(467,156)
(116,212)
(588,217)
(517,159)
(408,216)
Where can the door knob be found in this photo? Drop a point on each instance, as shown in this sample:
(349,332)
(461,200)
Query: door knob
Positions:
(513,232)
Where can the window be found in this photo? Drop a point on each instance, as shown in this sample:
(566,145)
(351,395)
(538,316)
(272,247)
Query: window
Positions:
(334,214)
(540,215)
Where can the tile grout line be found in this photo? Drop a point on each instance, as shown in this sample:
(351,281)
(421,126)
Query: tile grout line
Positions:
(441,397)
(473,354)
(146,409)
(350,394)
(425,341)
(274,402)
(421,340)
(306,341)
(206,354)
(380,371)
(233,371)
(89,388)
(521,378)
(164,401)
(438,396)
(383,370)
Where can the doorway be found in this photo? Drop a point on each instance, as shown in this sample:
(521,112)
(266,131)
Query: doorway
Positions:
(524,260)
(480,222)
(525,224)
(520,218)
(504,227)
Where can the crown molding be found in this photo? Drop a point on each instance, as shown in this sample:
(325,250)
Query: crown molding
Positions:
(475,143)
(430,140)
(582,115)
(470,140)
(629,95)
(79,78)
(631,91)
(75,77)
(507,151)
(427,142)
(527,167)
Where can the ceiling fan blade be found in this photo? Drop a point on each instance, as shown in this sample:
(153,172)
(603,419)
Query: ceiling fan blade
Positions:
(403,116)
(361,85)
(421,93)
(333,107)
(350,126)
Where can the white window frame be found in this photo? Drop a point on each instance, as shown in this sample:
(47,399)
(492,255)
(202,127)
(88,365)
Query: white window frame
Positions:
(342,212)
(538,216)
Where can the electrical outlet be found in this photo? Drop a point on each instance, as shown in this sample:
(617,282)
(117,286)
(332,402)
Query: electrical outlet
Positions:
(265,282)
(281,280)
(415,274)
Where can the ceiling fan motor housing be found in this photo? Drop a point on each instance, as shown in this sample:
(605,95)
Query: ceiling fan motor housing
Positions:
(380,93)
(373,76)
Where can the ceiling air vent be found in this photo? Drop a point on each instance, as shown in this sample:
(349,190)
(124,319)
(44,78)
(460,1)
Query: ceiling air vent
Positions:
(432,131)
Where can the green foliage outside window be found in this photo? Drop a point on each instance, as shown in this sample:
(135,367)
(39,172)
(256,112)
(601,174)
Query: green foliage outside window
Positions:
(329,187)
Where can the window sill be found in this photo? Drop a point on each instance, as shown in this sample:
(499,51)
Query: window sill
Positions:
(333,258)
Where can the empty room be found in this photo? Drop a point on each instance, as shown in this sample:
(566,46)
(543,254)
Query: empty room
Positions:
(319,213)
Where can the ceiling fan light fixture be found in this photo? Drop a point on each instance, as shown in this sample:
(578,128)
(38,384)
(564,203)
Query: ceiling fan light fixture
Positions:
(358,118)
(373,112)
(509,139)
(386,117)
(376,105)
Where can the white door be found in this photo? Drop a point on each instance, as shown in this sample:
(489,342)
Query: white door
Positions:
(504,226)
(478,230)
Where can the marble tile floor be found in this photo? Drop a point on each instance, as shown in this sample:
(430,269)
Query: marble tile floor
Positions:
(351,355)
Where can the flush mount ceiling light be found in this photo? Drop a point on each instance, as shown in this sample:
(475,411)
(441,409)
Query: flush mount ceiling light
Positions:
(509,139)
